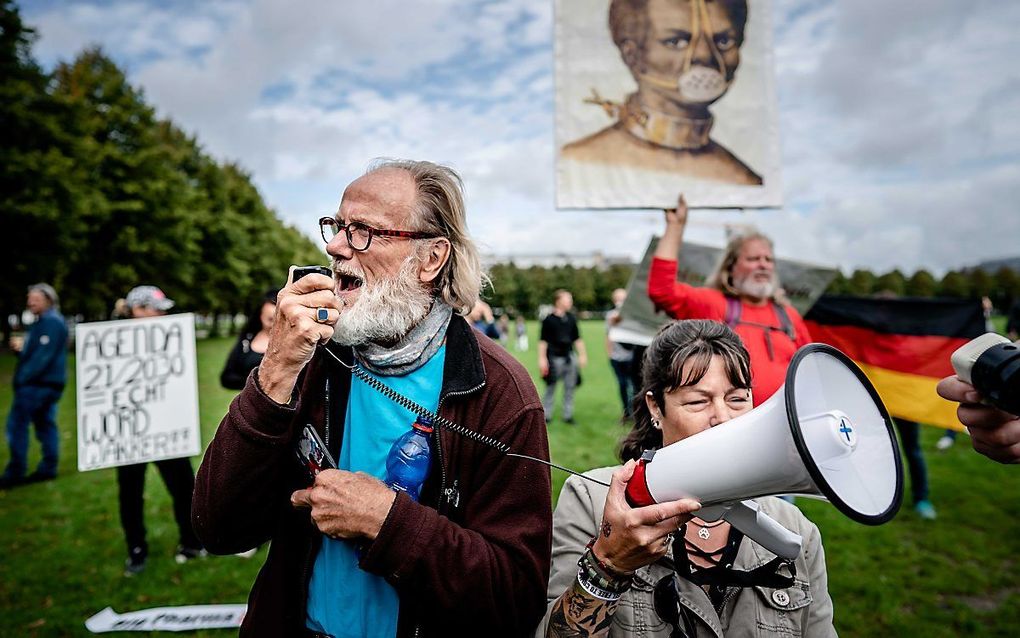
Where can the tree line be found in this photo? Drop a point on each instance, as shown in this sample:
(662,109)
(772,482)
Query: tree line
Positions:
(98,194)
(522,290)
(1002,286)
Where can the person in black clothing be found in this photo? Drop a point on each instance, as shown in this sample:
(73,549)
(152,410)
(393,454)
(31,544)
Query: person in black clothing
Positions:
(621,355)
(251,345)
(561,354)
(177,474)
(1013,321)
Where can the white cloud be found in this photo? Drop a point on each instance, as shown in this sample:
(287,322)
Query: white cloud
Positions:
(901,146)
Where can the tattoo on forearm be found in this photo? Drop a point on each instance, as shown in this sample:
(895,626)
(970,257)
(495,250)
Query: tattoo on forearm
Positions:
(576,604)
(577,614)
(607,528)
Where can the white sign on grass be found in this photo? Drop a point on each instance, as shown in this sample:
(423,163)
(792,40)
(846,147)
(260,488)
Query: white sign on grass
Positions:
(186,618)
(137,391)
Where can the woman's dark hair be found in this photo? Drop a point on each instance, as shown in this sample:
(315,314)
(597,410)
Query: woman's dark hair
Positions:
(254,324)
(678,357)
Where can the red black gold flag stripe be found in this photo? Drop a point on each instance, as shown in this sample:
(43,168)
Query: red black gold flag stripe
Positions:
(903,345)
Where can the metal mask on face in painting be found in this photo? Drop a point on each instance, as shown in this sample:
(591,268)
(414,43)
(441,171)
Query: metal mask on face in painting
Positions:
(698,83)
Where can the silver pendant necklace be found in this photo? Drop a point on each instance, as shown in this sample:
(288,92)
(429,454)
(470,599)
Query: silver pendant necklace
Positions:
(703,529)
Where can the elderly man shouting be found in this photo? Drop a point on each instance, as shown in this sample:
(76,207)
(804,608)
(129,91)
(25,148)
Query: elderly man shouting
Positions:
(350,556)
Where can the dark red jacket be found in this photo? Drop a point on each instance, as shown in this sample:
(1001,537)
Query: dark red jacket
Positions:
(471,559)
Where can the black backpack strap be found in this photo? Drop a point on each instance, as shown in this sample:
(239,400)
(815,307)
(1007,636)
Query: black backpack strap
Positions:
(784,321)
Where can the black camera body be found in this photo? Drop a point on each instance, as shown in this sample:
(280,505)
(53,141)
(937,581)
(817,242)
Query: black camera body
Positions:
(991,363)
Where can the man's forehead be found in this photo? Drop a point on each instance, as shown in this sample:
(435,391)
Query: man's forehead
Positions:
(383,195)
(755,246)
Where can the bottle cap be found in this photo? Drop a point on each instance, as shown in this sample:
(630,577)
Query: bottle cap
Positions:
(423,423)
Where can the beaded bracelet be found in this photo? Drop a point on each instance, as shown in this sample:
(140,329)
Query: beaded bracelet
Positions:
(593,574)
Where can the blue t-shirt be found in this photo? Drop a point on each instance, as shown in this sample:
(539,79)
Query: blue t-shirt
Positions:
(344,600)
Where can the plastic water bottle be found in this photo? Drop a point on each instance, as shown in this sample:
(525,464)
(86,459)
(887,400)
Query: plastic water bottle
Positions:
(407,464)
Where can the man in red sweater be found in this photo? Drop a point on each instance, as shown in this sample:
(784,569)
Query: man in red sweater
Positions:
(743,292)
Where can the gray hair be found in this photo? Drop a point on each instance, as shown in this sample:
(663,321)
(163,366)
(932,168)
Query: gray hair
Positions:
(721,277)
(440,211)
(47,291)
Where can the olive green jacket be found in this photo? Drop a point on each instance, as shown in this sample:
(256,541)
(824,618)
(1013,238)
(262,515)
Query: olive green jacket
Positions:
(804,609)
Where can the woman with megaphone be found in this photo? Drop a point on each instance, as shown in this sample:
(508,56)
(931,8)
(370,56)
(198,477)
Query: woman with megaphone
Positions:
(659,570)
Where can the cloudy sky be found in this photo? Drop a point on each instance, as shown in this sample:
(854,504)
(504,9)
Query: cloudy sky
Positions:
(900,135)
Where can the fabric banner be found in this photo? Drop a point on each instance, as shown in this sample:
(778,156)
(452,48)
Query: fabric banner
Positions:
(185,618)
(903,345)
(137,391)
(803,283)
(663,97)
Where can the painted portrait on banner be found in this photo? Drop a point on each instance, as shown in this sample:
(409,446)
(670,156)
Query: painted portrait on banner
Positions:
(658,97)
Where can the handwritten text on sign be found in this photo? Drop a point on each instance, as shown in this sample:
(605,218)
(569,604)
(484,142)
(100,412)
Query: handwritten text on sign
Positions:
(137,391)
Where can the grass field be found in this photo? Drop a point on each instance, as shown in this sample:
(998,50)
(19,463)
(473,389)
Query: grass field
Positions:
(62,547)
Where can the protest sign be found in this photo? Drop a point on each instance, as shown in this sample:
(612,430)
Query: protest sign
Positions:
(137,391)
(185,618)
(656,100)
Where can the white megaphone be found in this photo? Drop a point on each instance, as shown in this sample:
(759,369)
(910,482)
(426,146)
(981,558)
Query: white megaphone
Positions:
(824,434)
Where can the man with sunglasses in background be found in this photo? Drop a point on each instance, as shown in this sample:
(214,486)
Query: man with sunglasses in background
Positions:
(350,556)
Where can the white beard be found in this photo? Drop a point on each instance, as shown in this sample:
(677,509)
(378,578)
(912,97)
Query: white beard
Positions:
(755,289)
(385,310)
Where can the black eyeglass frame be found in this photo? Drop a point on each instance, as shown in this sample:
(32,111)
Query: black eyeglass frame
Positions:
(382,232)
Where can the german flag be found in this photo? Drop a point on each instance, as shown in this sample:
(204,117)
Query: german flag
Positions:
(903,345)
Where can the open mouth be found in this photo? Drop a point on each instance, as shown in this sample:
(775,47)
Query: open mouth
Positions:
(346,283)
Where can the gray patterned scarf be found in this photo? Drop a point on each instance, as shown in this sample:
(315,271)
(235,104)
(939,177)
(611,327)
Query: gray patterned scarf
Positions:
(413,350)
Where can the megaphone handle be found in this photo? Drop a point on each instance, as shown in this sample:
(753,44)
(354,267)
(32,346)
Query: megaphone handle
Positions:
(637,489)
(764,530)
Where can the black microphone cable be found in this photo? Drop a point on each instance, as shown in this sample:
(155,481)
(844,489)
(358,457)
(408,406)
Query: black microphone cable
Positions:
(445,423)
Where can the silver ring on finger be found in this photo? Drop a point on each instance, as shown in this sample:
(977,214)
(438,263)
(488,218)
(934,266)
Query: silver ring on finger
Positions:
(321,315)
(667,540)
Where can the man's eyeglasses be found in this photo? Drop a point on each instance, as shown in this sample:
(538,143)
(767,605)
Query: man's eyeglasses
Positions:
(359,235)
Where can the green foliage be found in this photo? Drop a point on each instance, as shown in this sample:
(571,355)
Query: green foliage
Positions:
(861,283)
(39,175)
(522,291)
(893,282)
(1002,287)
(838,285)
(98,195)
(1006,288)
(955,284)
(981,283)
(921,284)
